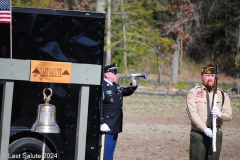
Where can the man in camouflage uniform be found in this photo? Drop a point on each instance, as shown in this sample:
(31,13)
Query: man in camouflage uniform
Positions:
(199,109)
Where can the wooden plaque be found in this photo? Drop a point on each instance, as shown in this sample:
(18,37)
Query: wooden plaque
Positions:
(48,71)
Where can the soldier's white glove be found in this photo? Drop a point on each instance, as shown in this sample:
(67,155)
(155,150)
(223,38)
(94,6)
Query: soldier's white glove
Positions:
(134,82)
(104,128)
(208,132)
(215,111)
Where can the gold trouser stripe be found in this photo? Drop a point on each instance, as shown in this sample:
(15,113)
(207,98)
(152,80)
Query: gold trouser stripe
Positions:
(102,148)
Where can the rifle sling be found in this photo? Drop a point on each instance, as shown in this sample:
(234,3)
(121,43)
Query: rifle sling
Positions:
(222,98)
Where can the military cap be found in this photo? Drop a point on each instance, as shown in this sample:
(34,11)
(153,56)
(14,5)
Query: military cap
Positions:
(208,69)
(111,68)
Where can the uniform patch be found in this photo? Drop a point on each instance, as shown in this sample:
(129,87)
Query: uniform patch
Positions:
(200,94)
(189,96)
(109,92)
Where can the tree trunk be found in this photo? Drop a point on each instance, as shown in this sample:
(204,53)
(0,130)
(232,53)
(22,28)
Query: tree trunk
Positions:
(124,39)
(238,56)
(160,70)
(181,56)
(108,52)
(175,64)
(66,5)
(159,67)
(76,2)
(101,8)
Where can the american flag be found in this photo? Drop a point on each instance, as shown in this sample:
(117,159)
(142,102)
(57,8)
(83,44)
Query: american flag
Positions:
(5,13)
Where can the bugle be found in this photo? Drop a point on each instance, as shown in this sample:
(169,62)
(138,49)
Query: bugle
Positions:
(125,81)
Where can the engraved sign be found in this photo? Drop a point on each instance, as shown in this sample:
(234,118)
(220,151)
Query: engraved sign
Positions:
(48,71)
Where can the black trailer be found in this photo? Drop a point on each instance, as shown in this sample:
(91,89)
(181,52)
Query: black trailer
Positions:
(72,37)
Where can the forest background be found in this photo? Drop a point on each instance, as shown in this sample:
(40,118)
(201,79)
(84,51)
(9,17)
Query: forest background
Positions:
(164,38)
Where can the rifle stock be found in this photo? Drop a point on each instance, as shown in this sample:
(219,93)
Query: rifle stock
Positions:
(214,117)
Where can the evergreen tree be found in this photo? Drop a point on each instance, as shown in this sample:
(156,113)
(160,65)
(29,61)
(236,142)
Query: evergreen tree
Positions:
(136,41)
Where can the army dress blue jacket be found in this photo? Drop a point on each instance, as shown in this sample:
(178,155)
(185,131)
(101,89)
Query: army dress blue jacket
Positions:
(112,113)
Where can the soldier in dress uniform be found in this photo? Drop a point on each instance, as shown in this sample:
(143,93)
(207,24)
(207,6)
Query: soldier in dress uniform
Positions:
(199,109)
(112,115)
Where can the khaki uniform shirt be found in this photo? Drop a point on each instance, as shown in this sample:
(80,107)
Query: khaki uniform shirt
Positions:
(199,103)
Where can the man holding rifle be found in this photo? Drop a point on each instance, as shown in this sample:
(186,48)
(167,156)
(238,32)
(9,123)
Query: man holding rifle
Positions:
(200,110)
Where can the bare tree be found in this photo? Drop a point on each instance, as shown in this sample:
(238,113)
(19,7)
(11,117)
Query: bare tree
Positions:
(101,8)
(124,37)
(109,21)
(182,12)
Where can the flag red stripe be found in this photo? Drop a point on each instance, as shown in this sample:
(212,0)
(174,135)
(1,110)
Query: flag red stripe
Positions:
(5,21)
(5,16)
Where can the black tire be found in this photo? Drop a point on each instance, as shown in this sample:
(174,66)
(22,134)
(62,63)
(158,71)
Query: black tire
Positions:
(28,149)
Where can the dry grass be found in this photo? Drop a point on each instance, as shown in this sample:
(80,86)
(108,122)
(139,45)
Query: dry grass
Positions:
(157,128)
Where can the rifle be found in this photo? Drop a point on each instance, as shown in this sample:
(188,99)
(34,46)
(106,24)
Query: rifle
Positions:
(214,117)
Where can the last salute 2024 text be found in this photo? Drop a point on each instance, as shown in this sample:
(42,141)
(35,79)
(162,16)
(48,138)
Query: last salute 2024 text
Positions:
(30,156)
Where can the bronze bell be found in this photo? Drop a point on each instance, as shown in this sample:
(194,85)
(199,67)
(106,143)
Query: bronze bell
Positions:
(46,116)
